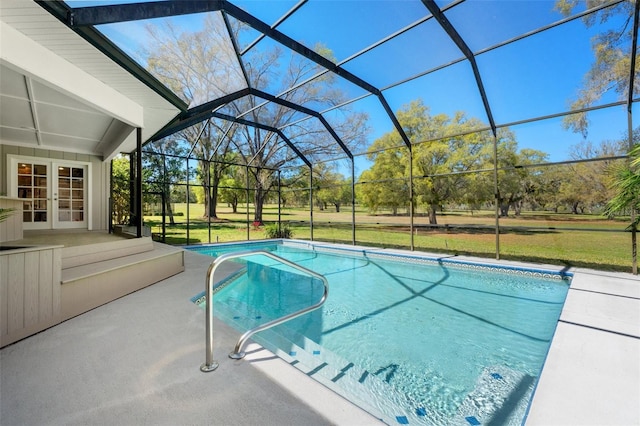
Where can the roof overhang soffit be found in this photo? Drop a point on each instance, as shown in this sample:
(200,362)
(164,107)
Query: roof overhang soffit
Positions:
(63,13)
(99,15)
(23,54)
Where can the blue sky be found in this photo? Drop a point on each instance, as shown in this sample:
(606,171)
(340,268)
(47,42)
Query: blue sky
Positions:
(533,77)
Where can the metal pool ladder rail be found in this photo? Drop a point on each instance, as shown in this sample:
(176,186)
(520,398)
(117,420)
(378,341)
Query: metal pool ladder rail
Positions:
(210,364)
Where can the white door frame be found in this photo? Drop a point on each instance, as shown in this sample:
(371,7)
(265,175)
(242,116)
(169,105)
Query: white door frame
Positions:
(52,187)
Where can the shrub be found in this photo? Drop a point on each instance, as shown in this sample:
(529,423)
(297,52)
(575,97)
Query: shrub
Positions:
(272,231)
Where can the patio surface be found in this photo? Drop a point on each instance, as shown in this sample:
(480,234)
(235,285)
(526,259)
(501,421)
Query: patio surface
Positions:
(136,361)
(67,238)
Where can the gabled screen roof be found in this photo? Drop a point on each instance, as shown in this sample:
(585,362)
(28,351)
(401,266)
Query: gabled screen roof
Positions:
(523,65)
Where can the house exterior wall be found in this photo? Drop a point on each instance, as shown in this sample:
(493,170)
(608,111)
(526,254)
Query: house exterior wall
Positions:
(100,173)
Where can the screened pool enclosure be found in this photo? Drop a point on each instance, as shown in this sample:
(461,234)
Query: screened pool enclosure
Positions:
(490,128)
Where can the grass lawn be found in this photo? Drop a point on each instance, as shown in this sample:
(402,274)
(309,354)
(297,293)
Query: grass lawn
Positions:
(559,239)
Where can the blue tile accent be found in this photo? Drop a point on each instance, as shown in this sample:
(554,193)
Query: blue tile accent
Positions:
(292,353)
(258,316)
(421,411)
(316,352)
(195,298)
(472,420)
(402,420)
(496,376)
(236,317)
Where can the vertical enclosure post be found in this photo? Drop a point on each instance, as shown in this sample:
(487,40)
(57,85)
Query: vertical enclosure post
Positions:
(311,201)
(634,231)
(353,202)
(210,189)
(187,197)
(411,197)
(138,182)
(163,200)
(632,74)
(279,204)
(496,191)
(248,230)
(110,221)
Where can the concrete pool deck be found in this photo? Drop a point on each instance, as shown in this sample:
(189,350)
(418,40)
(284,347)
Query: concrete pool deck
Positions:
(136,361)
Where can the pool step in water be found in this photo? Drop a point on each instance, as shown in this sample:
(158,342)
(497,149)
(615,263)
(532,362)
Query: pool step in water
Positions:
(500,397)
(367,389)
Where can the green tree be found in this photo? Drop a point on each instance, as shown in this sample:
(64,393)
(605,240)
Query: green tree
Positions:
(517,182)
(585,186)
(626,187)
(612,50)
(163,167)
(385,184)
(334,188)
(550,179)
(626,184)
(443,163)
(295,187)
(120,190)
(232,187)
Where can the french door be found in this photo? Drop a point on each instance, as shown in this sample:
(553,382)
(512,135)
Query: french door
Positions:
(54,192)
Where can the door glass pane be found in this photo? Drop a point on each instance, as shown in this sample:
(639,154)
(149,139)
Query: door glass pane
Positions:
(25,169)
(32,186)
(71,194)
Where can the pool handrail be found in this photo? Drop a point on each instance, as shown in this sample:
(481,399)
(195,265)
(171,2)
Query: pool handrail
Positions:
(210,364)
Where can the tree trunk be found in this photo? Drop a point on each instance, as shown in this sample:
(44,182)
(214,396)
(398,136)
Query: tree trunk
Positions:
(210,191)
(167,203)
(504,209)
(260,195)
(574,207)
(211,212)
(433,208)
(337,207)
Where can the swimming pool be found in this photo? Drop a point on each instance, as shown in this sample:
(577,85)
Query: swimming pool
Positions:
(409,338)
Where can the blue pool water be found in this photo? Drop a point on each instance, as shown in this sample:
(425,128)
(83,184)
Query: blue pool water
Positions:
(411,339)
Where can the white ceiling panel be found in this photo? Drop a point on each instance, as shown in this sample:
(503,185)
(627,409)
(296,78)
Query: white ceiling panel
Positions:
(18,136)
(12,83)
(69,143)
(75,123)
(46,95)
(15,113)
